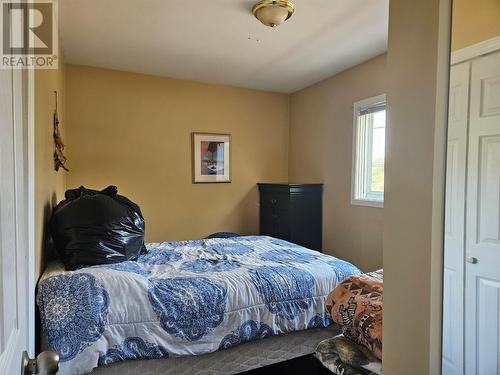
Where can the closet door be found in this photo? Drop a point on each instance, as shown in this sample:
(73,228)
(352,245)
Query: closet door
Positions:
(483,220)
(453,294)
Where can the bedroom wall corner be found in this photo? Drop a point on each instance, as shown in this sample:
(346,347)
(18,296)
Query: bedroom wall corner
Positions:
(321,134)
(49,184)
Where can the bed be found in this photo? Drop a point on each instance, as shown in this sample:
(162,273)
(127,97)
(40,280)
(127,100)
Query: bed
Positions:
(240,358)
(185,298)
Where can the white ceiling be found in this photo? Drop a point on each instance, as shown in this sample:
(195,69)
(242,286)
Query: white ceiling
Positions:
(219,41)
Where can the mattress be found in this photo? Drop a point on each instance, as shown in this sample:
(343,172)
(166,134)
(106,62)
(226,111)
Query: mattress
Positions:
(184,299)
(241,358)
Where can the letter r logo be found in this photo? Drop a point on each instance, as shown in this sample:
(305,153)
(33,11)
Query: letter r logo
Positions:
(27,28)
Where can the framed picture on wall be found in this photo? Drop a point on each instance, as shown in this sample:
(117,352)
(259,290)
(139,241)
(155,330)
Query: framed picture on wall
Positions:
(211,157)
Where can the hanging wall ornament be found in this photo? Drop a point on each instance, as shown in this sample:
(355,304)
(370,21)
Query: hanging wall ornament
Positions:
(59,158)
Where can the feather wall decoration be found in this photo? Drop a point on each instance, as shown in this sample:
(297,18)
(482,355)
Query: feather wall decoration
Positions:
(59,158)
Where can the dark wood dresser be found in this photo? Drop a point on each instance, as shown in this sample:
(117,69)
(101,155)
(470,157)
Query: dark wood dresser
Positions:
(292,212)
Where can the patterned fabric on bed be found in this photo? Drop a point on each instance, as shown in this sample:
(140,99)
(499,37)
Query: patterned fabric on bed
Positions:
(356,304)
(185,298)
(344,357)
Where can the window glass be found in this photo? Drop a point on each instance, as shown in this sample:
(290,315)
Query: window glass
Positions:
(369,152)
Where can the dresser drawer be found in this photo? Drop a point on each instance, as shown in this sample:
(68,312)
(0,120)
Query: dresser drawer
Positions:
(276,232)
(275,201)
(275,217)
(275,223)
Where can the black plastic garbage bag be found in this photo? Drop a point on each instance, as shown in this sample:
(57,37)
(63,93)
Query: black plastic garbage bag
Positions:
(93,227)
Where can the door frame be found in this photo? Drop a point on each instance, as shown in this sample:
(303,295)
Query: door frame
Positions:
(468,54)
(23,179)
(30,153)
(475,50)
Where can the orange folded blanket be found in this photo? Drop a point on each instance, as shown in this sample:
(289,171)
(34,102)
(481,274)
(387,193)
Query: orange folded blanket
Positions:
(356,304)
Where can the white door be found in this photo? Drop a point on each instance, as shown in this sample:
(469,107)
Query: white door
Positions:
(482,289)
(14,259)
(453,293)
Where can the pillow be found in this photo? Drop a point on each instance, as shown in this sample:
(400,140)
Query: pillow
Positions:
(223,235)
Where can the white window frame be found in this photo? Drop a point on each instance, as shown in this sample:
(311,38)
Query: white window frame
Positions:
(360,181)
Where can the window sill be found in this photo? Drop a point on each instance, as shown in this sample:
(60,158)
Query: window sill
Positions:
(367,203)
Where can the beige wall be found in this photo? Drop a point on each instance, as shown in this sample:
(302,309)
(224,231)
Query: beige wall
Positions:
(321,136)
(417,65)
(474,21)
(49,184)
(134,131)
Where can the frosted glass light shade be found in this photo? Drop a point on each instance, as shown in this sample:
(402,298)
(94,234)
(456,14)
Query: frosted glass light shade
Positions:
(273,13)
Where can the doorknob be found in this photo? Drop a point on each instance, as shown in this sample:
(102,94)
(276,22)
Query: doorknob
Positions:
(46,363)
(472,260)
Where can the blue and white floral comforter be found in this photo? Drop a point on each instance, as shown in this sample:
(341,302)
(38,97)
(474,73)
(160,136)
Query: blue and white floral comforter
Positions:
(185,298)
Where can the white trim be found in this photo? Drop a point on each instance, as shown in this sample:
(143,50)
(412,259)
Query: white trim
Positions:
(7,357)
(357,107)
(475,50)
(20,207)
(367,203)
(30,99)
(369,102)
(30,194)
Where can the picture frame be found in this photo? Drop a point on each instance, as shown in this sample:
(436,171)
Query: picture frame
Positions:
(211,157)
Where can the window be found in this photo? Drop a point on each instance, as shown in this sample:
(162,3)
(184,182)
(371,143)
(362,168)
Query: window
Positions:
(369,152)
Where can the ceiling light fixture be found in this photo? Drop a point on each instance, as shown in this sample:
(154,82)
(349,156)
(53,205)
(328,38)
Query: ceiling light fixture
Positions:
(273,13)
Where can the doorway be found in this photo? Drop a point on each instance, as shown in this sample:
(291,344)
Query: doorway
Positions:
(471,294)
